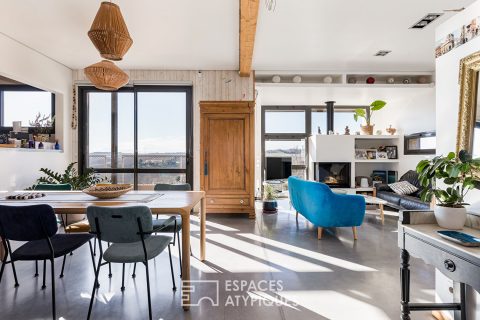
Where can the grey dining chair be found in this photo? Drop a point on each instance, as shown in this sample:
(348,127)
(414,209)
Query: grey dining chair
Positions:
(129,230)
(166,225)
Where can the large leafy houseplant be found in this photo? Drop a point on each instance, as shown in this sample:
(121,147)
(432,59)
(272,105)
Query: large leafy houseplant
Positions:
(362,113)
(71,176)
(449,179)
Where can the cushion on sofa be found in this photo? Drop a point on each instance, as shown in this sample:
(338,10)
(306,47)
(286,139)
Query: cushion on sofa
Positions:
(403,187)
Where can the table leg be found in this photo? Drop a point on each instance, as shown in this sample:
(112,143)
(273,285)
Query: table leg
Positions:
(186,260)
(405,284)
(203,218)
(382,214)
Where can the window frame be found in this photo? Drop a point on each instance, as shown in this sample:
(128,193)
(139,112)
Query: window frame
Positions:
(425,134)
(22,87)
(84,130)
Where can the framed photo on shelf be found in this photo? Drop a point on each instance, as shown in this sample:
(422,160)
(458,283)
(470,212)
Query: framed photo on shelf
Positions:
(371,154)
(382,155)
(360,154)
(392,152)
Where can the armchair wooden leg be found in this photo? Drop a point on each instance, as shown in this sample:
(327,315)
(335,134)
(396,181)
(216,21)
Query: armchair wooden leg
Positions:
(355,236)
(296,216)
(319,233)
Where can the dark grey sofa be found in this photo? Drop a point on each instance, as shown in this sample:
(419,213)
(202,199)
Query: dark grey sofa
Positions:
(403,202)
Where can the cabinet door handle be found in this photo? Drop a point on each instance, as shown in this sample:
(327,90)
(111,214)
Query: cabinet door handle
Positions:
(241,201)
(449,265)
(205,164)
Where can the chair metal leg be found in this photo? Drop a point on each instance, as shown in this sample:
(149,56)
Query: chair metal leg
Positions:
(36,269)
(92,254)
(179,252)
(123,277)
(63,265)
(171,269)
(13,264)
(148,291)
(54,311)
(97,270)
(134,268)
(94,247)
(109,266)
(4,262)
(44,267)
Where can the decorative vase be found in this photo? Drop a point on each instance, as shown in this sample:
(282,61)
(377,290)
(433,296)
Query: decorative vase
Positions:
(450,218)
(367,129)
(391,130)
(270,206)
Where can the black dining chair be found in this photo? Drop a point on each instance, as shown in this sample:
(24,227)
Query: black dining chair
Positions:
(35,225)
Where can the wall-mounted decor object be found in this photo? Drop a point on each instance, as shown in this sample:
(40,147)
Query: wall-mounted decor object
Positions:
(297,79)
(390,80)
(406,81)
(370,80)
(422,80)
(109,32)
(276,79)
(458,37)
(105,75)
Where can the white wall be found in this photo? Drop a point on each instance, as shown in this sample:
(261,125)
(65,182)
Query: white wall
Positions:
(447,100)
(408,109)
(18,62)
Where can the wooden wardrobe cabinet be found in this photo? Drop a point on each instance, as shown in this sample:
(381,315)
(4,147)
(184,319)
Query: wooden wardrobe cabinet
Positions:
(227,156)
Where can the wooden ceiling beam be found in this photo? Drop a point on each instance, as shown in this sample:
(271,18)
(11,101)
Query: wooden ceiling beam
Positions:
(248,28)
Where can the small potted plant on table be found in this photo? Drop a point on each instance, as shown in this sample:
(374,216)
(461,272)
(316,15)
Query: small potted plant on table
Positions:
(269,199)
(449,179)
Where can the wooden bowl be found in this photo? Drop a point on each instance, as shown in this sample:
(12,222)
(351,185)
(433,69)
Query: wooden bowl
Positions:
(108,191)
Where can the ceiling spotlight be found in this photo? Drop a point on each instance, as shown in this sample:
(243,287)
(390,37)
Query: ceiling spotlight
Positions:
(382,53)
(425,21)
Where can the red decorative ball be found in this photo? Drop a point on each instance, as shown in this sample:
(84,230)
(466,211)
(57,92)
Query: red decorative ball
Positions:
(370,80)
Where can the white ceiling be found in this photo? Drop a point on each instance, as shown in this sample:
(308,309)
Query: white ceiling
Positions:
(203,34)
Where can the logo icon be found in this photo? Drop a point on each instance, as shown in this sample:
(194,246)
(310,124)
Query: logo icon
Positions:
(200,290)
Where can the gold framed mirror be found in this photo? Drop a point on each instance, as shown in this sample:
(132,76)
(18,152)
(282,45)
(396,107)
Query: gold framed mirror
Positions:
(468,131)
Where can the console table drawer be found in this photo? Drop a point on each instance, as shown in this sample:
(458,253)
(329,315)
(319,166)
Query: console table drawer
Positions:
(454,267)
(212,201)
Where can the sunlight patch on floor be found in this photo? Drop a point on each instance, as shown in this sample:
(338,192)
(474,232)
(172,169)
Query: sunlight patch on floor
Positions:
(280,259)
(334,305)
(310,254)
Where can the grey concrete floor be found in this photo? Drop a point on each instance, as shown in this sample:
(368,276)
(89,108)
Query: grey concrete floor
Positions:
(286,273)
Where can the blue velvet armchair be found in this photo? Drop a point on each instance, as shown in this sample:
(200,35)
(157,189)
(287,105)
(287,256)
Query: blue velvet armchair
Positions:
(324,208)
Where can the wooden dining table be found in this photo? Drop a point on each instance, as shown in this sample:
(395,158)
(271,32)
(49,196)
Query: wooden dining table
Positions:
(160,202)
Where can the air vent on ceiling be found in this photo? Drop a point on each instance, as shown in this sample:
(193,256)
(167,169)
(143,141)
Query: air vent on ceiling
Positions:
(382,53)
(425,21)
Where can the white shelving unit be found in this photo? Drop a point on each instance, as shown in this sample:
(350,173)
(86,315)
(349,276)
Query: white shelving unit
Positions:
(344,147)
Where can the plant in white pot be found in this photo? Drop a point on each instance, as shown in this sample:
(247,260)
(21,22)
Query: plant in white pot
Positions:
(449,179)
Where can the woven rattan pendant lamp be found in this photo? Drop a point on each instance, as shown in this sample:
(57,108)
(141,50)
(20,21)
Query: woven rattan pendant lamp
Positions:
(109,32)
(105,75)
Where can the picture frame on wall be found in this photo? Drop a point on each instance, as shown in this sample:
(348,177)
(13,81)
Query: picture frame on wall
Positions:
(392,152)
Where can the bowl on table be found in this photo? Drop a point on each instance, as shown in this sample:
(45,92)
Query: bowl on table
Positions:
(108,191)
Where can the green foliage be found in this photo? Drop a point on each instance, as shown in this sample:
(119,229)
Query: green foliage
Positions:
(374,106)
(457,174)
(71,176)
(269,193)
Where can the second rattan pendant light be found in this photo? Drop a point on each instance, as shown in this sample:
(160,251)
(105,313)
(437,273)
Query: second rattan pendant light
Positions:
(109,32)
(105,75)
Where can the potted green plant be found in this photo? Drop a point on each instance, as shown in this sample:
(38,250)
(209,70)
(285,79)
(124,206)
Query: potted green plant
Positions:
(449,179)
(269,199)
(367,116)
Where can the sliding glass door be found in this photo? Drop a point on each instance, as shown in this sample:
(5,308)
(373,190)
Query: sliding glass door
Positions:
(140,135)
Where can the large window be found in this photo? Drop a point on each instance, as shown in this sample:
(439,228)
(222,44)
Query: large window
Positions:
(140,135)
(24,103)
